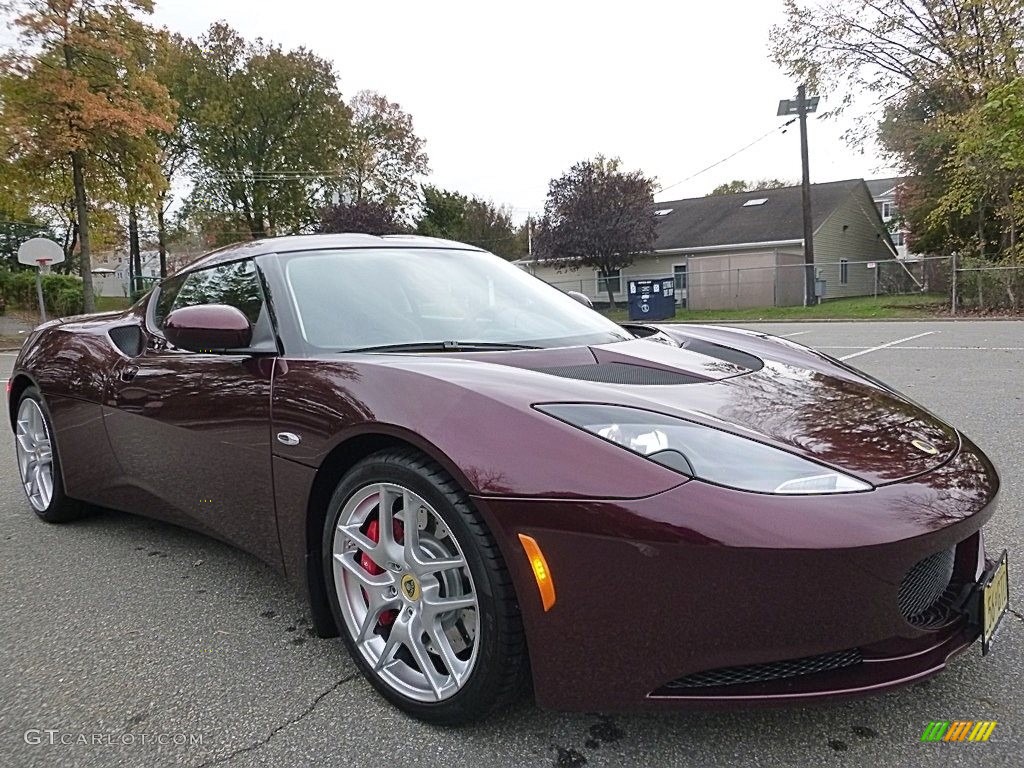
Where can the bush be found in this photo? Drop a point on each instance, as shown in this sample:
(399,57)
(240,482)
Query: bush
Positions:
(62,293)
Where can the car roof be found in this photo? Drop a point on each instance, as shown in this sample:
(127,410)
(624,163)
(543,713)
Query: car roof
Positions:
(294,243)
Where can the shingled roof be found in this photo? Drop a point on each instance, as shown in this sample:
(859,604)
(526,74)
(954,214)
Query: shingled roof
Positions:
(722,220)
(878,187)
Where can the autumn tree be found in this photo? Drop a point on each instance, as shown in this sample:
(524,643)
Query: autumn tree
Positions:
(76,88)
(267,126)
(597,215)
(932,66)
(738,186)
(383,157)
(174,65)
(363,216)
(986,168)
(469,219)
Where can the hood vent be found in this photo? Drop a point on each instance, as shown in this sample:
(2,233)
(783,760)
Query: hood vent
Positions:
(621,373)
(728,354)
(128,339)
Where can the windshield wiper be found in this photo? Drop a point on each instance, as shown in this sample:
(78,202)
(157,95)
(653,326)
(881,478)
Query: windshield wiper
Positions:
(443,346)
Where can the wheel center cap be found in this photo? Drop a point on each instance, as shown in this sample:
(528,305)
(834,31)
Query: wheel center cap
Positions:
(411,587)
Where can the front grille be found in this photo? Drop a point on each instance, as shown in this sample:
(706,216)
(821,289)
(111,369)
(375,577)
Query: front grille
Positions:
(763,673)
(924,585)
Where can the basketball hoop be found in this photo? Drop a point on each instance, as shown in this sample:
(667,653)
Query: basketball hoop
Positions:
(40,252)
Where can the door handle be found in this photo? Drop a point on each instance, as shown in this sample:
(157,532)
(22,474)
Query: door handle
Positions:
(128,373)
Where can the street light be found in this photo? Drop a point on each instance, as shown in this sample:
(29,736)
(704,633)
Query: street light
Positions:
(802,106)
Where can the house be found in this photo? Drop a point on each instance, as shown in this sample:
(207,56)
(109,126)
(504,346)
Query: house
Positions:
(110,272)
(746,250)
(883,191)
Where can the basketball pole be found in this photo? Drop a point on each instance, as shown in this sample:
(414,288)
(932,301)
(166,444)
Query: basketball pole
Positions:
(39,288)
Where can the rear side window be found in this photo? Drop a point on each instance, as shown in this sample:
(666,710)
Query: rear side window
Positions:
(235,284)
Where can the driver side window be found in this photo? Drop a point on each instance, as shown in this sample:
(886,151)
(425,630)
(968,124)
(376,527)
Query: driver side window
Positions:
(235,284)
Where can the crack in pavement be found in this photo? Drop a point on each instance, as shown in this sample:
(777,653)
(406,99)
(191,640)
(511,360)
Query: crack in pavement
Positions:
(263,742)
(1015,613)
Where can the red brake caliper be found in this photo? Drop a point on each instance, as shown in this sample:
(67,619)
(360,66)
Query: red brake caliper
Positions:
(373,534)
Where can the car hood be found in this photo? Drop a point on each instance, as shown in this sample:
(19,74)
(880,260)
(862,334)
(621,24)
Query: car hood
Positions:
(756,386)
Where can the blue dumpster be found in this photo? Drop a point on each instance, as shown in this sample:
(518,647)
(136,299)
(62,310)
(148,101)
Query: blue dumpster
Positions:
(652,299)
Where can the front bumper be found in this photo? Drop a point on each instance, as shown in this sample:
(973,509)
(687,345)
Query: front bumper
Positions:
(702,578)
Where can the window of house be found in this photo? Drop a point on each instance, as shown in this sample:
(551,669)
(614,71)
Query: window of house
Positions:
(888,210)
(844,271)
(898,239)
(679,272)
(614,280)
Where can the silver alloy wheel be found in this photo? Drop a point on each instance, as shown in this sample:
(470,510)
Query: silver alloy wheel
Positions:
(35,455)
(413,614)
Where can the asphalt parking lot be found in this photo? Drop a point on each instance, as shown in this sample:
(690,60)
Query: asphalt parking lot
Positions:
(117,625)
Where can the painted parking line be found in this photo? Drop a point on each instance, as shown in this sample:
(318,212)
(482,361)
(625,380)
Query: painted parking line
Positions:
(886,346)
(934,349)
(788,335)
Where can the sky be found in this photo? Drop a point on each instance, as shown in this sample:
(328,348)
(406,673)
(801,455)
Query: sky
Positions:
(509,95)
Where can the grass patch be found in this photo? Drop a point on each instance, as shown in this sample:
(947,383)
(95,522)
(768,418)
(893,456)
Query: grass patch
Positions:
(110,303)
(918,305)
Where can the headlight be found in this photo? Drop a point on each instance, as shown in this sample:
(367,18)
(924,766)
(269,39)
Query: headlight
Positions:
(706,453)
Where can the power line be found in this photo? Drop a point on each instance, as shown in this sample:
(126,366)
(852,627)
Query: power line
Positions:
(759,139)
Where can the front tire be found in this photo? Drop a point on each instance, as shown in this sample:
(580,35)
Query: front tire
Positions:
(39,464)
(420,592)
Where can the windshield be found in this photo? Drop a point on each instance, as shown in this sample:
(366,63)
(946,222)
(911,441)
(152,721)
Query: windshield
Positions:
(354,299)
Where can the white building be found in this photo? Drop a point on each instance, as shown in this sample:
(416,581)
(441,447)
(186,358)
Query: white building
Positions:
(884,191)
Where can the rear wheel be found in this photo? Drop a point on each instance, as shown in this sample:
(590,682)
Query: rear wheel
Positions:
(39,464)
(420,592)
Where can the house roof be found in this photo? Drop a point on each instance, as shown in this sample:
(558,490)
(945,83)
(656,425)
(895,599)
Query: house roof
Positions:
(722,220)
(881,187)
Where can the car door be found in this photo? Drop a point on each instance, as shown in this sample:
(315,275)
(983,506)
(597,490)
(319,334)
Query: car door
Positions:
(192,430)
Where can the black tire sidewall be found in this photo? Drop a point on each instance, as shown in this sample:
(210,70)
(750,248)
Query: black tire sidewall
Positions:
(475,698)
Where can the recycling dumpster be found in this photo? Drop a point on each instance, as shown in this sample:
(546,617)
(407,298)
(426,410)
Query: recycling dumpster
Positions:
(652,299)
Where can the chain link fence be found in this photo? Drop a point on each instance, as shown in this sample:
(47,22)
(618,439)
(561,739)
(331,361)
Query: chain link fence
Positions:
(983,287)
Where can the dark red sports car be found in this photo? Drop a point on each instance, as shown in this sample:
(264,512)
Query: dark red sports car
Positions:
(478,482)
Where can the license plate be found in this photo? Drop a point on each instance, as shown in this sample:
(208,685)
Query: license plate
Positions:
(995,598)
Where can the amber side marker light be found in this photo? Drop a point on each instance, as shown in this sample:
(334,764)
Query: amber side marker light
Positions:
(541,572)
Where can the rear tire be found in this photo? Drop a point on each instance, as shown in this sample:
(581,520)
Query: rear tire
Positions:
(39,464)
(391,613)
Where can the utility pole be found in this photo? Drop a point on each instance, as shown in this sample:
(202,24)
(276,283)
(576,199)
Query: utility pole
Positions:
(801,108)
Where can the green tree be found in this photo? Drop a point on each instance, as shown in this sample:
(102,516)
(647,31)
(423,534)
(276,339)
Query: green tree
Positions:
(737,186)
(469,219)
(174,65)
(598,215)
(383,158)
(267,127)
(76,88)
(932,66)
(986,170)
(363,216)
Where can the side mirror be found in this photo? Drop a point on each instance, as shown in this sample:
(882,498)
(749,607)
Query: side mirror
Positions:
(208,328)
(582,298)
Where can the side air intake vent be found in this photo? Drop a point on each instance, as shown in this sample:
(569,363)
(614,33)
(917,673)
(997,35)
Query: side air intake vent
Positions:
(924,585)
(128,339)
(621,373)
